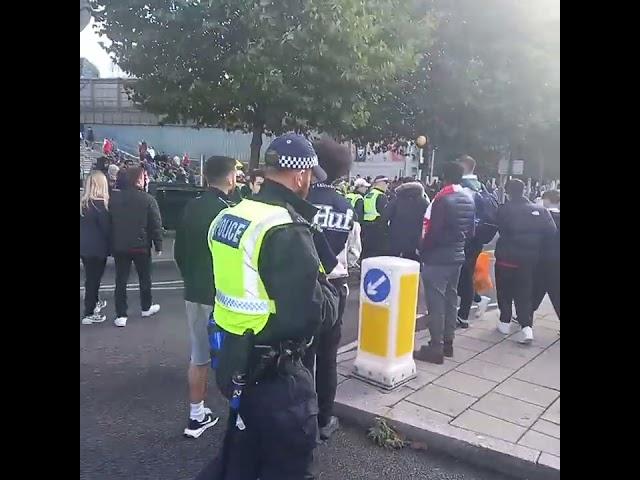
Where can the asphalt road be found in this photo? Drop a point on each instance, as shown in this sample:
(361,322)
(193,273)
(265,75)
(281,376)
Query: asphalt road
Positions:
(133,409)
(133,401)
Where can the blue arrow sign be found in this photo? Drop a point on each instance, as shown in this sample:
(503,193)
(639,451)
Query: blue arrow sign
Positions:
(376,285)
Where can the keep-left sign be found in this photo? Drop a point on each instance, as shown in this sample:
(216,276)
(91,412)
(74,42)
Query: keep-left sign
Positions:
(376,285)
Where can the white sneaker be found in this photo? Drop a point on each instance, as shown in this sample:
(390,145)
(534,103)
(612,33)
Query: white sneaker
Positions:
(482,307)
(527,335)
(153,309)
(100,305)
(120,322)
(95,318)
(504,328)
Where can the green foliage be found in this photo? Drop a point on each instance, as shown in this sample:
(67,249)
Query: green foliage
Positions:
(384,436)
(262,64)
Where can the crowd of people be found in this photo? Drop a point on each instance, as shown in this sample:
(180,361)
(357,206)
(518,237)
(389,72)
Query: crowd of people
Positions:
(265,260)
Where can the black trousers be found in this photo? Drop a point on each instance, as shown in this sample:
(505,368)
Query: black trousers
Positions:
(142,261)
(515,285)
(280,415)
(93,270)
(546,279)
(374,239)
(324,351)
(465,283)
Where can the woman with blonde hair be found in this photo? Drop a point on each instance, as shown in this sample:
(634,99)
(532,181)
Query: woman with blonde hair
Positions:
(95,233)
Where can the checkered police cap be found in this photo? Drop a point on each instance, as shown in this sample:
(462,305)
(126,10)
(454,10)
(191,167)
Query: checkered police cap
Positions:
(294,152)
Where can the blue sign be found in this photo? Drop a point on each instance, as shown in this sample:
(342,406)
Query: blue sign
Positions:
(376,285)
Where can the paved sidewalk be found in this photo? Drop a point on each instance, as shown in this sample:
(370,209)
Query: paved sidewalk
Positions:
(496,403)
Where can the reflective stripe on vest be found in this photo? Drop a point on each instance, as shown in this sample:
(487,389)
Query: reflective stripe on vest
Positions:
(370,209)
(235,240)
(353,198)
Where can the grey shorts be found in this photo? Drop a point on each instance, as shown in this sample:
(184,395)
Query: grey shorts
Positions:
(197,318)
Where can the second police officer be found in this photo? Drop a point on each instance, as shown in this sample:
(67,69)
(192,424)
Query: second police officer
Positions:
(271,299)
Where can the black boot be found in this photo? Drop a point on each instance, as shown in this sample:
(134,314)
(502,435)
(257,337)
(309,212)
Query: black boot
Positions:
(430,353)
(447,348)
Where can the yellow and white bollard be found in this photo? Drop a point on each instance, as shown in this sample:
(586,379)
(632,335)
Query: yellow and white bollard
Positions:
(388,300)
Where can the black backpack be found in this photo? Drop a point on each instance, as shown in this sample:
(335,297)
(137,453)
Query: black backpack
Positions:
(486,215)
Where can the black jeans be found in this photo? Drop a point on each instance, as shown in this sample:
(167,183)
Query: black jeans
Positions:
(515,285)
(465,283)
(546,279)
(93,270)
(280,415)
(142,261)
(324,350)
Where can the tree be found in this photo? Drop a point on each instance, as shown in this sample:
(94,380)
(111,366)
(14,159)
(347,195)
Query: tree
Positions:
(263,65)
(490,81)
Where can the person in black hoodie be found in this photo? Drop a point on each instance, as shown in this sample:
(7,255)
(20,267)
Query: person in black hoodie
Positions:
(522,227)
(192,255)
(405,214)
(95,231)
(336,219)
(449,221)
(136,225)
(547,274)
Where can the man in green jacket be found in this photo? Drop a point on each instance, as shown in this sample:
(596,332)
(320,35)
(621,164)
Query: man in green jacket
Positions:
(192,255)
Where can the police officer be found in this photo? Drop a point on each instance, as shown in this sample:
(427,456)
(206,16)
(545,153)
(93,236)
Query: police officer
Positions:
(336,219)
(271,298)
(360,187)
(373,227)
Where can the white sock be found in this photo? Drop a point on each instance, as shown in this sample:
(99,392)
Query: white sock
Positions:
(197,411)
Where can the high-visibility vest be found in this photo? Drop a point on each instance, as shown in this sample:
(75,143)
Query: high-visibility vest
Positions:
(235,240)
(370,209)
(353,197)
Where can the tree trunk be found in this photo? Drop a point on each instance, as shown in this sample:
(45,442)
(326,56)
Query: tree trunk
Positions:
(256,145)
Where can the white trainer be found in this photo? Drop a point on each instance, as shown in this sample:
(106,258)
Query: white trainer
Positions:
(100,305)
(482,307)
(527,336)
(95,318)
(504,328)
(120,322)
(153,309)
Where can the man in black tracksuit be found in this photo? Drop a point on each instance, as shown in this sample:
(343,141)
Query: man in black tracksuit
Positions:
(522,227)
(335,218)
(192,255)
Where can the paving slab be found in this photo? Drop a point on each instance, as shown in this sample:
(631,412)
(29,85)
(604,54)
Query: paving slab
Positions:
(553,413)
(542,442)
(356,393)
(437,369)
(508,353)
(473,344)
(416,415)
(482,423)
(441,400)
(464,383)
(546,427)
(509,409)
(421,379)
(528,392)
(486,370)
(544,370)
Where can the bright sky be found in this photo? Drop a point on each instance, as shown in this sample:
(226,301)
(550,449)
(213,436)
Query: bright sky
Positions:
(92,51)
